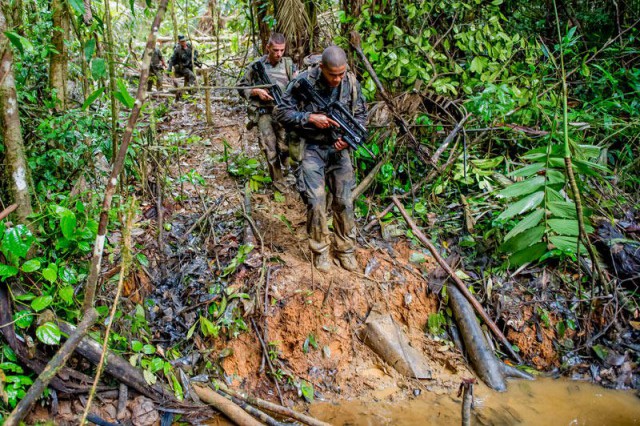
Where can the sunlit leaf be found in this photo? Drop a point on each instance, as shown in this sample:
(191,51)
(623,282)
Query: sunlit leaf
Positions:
(523,188)
(48,333)
(522,206)
(42,302)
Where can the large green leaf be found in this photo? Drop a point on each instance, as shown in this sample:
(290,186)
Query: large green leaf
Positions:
(523,188)
(530,254)
(23,318)
(527,203)
(30,265)
(589,168)
(562,208)
(17,241)
(98,68)
(50,273)
(527,171)
(123,94)
(529,221)
(68,224)
(89,49)
(19,42)
(523,240)
(78,6)
(42,302)
(568,227)
(564,243)
(48,333)
(92,97)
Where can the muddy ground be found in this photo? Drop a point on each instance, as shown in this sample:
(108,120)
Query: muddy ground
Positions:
(274,316)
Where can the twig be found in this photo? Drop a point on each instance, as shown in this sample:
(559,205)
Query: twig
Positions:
(49,372)
(228,408)
(6,212)
(368,180)
(463,289)
(204,216)
(270,406)
(123,397)
(118,164)
(266,355)
(466,390)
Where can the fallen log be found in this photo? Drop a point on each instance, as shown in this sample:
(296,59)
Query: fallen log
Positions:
(458,282)
(51,369)
(228,408)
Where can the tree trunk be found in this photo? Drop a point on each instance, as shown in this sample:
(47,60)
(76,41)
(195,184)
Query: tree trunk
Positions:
(112,81)
(58,60)
(262,8)
(16,164)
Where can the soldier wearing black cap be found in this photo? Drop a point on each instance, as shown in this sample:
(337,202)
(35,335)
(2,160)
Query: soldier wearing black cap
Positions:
(183,59)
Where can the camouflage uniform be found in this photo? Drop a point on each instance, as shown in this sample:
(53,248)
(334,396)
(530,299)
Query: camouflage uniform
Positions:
(271,134)
(155,70)
(181,61)
(321,163)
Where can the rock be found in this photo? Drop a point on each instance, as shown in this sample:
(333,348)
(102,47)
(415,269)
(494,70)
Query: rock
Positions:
(143,412)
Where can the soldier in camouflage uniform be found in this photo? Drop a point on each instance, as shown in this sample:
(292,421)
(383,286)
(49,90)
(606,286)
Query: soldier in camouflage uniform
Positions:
(325,161)
(156,69)
(271,136)
(183,60)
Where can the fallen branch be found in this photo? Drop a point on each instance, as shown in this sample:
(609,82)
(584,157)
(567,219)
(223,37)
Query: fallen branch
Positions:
(228,408)
(264,417)
(6,212)
(51,369)
(270,406)
(368,180)
(463,289)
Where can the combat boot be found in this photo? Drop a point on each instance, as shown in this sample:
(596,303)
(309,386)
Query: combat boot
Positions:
(321,262)
(348,261)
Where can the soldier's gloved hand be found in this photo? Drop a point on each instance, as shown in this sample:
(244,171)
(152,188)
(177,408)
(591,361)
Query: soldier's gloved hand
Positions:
(340,144)
(262,94)
(321,121)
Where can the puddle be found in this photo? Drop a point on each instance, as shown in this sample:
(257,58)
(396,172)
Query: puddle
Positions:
(544,401)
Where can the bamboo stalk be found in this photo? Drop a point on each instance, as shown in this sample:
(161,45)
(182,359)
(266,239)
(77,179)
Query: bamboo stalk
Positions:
(463,289)
(50,371)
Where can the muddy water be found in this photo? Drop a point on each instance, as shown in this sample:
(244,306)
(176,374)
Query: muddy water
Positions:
(541,402)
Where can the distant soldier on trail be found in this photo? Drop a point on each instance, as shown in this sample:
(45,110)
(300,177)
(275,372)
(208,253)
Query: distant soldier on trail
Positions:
(156,69)
(324,159)
(183,60)
(271,136)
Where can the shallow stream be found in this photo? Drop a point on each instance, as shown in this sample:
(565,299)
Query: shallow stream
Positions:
(540,402)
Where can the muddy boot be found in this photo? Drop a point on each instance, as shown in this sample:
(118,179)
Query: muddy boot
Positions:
(321,262)
(348,261)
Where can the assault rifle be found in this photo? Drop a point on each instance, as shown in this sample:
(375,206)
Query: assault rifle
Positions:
(262,78)
(351,131)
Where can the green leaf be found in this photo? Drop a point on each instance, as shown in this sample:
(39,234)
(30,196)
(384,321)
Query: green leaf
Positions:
(48,333)
(68,224)
(601,351)
(50,273)
(565,243)
(136,345)
(123,94)
(78,6)
(7,271)
(522,188)
(42,302)
(307,390)
(562,208)
(149,377)
(17,241)
(530,254)
(149,349)
(89,49)
(23,319)
(527,170)
(11,367)
(30,265)
(568,227)
(528,203)
(142,259)
(528,222)
(92,97)
(66,294)
(98,68)
(523,240)
(19,42)
(590,169)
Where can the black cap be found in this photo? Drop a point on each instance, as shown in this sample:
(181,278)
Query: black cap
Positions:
(180,37)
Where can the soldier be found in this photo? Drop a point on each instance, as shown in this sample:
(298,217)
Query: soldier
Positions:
(156,69)
(183,59)
(325,161)
(271,136)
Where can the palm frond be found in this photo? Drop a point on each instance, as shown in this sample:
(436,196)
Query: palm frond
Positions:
(293,20)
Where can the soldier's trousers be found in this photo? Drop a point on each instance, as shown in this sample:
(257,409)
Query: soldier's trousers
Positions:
(323,165)
(272,141)
(187,73)
(155,75)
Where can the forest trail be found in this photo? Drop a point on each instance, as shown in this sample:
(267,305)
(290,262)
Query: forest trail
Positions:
(310,321)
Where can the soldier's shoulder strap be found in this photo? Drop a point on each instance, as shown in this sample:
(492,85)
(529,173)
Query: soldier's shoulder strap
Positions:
(288,65)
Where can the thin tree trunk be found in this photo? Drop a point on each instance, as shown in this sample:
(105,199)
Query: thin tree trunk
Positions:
(58,59)
(88,15)
(16,164)
(112,80)
(118,164)
(174,21)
